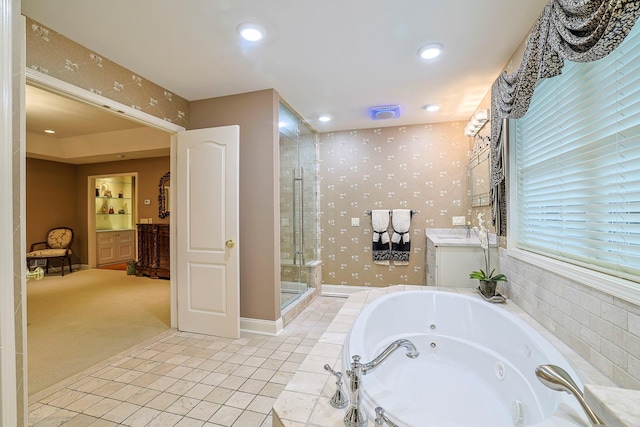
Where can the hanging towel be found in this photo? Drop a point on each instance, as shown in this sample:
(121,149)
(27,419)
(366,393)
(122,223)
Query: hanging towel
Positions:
(380,223)
(401,240)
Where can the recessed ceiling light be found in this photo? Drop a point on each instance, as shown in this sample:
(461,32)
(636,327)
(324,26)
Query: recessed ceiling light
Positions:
(431,107)
(49,131)
(324,118)
(251,32)
(430,51)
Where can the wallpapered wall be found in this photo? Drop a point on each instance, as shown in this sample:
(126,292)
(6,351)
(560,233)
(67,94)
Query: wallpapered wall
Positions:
(419,167)
(57,56)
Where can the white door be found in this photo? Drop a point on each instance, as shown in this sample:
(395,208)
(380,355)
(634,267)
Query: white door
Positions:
(207,231)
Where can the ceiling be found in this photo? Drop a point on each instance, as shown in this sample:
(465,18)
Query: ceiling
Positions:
(331,57)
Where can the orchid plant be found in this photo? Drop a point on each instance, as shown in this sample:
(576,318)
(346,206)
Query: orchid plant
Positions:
(483,235)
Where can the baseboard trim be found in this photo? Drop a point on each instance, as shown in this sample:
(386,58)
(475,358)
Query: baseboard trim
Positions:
(262,327)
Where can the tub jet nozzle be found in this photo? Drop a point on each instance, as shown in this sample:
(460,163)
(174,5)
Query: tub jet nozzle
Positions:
(558,379)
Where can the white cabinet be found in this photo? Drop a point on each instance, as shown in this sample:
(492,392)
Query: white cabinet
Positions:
(452,257)
(115,246)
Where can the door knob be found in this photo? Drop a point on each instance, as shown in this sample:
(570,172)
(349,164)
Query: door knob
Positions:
(230,243)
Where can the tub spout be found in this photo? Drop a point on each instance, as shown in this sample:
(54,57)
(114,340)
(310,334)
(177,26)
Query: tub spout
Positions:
(355,417)
(412,353)
(558,379)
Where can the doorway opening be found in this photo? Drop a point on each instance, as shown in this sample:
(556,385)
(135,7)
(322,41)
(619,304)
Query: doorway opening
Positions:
(57,177)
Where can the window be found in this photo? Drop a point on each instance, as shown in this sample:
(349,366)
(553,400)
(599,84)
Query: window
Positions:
(576,176)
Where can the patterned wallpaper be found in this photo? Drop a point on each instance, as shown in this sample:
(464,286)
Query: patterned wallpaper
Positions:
(57,56)
(418,167)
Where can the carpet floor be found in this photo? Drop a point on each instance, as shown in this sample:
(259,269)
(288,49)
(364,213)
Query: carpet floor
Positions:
(85,317)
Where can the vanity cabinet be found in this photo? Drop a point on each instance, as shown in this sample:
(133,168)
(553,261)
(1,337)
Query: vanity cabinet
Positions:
(115,246)
(452,256)
(153,251)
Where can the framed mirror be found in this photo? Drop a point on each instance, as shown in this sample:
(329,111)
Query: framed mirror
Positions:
(164,200)
(479,178)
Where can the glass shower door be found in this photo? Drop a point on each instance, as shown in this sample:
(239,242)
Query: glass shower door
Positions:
(297,205)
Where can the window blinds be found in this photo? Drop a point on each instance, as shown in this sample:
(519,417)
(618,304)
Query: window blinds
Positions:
(577,153)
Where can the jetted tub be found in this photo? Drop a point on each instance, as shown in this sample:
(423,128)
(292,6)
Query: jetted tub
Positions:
(476,366)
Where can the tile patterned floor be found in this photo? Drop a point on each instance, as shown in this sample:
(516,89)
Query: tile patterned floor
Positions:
(182,379)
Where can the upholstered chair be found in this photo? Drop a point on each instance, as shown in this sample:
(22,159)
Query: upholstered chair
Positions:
(57,246)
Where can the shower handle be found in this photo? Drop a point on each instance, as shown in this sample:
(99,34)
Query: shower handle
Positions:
(294,242)
(302,214)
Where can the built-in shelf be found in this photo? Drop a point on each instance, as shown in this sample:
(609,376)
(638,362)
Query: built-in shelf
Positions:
(114,203)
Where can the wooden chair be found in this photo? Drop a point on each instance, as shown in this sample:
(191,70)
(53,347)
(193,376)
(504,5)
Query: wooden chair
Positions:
(57,246)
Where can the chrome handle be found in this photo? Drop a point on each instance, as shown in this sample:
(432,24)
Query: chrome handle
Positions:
(381,418)
(230,243)
(37,274)
(339,399)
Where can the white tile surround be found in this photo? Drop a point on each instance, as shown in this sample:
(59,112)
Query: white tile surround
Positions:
(305,399)
(603,329)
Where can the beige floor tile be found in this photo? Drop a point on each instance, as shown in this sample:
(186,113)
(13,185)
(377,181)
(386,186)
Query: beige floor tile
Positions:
(142,417)
(203,410)
(262,404)
(240,399)
(226,416)
(162,401)
(252,386)
(249,419)
(191,380)
(219,395)
(166,419)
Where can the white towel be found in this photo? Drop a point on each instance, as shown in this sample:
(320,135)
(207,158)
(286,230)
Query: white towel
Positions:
(401,222)
(380,223)
(401,246)
(380,251)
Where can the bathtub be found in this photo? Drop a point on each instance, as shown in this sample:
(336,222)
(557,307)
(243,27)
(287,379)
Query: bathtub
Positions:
(476,366)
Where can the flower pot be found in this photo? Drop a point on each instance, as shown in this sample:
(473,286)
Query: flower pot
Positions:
(488,288)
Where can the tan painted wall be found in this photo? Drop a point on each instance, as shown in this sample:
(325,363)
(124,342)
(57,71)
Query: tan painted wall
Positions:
(51,200)
(57,195)
(257,115)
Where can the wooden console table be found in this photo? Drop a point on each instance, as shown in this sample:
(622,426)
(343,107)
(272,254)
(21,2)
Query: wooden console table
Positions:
(153,251)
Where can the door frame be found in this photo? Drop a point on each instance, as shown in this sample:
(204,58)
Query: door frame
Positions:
(12,56)
(51,84)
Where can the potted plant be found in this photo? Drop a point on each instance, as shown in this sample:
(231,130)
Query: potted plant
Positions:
(487,277)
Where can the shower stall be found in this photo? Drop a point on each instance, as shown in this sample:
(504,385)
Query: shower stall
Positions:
(299,223)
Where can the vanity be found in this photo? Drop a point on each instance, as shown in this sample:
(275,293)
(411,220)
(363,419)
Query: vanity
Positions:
(452,254)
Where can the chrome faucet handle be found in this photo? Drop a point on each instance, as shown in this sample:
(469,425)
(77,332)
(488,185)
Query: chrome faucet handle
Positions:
(381,418)
(339,399)
(354,416)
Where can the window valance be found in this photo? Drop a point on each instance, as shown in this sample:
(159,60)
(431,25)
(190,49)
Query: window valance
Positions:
(573,30)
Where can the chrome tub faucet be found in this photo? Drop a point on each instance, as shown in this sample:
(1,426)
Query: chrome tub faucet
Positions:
(354,416)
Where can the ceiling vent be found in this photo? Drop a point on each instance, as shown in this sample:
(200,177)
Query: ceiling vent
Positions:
(384,112)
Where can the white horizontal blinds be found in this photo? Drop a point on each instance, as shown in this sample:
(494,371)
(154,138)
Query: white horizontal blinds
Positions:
(578,163)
